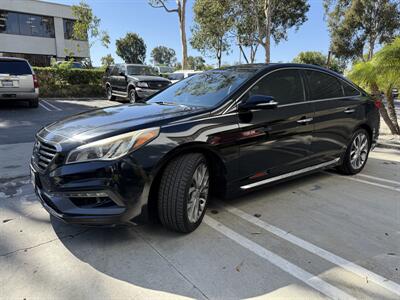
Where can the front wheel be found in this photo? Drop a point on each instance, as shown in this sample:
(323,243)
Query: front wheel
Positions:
(356,154)
(132,96)
(183,193)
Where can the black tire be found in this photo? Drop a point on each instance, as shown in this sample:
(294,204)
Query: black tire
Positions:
(347,167)
(34,103)
(173,194)
(110,96)
(132,96)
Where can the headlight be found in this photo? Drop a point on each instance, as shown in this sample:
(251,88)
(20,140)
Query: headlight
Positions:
(113,147)
(142,84)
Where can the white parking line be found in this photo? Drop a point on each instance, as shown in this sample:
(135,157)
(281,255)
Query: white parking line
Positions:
(45,107)
(51,105)
(379,179)
(306,277)
(388,187)
(333,258)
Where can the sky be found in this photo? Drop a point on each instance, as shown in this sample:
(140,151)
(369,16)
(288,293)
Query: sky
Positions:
(157,27)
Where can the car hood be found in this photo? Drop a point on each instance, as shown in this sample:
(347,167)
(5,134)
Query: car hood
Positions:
(105,122)
(147,78)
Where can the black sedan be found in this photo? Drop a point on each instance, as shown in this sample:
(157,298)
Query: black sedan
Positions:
(221,132)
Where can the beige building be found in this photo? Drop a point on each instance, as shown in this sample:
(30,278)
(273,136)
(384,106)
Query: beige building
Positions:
(38,30)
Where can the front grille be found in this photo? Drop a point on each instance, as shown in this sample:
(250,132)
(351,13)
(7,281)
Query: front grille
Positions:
(44,154)
(157,85)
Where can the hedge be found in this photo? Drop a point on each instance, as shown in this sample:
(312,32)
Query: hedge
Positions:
(64,82)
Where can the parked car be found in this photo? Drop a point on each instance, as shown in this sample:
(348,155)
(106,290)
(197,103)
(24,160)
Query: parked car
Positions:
(395,93)
(133,82)
(18,81)
(182,74)
(163,69)
(74,64)
(222,132)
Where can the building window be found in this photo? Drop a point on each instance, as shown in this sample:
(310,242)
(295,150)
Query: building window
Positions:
(26,24)
(69,30)
(35,60)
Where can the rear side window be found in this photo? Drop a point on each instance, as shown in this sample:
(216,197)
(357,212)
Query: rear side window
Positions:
(349,90)
(15,68)
(285,86)
(323,86)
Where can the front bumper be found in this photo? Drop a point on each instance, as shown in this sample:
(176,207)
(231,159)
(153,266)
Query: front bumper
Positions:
(93,193)
(144,93)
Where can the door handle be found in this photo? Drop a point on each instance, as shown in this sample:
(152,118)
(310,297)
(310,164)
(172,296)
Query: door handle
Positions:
(349,110)
(305,121)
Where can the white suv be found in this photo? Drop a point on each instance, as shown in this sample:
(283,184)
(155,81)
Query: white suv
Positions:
(18,81)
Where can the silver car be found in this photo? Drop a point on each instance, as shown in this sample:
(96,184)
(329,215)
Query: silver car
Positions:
(18,81)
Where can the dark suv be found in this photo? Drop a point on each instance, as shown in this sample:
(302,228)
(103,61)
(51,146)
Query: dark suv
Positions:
(133,82)
(220,132)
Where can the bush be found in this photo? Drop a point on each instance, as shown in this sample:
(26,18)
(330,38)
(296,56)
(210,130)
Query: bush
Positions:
(66,82)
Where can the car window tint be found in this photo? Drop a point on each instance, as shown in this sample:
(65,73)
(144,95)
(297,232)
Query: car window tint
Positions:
(15,68)
(349,90)
(285,86)
(323,86)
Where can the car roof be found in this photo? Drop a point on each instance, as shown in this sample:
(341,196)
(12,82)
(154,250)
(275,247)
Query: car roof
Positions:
(3,58)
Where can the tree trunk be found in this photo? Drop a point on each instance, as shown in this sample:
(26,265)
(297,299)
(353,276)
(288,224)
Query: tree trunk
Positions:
(182,24)
(244,54)
(382,110)
(392,111)
(268,17)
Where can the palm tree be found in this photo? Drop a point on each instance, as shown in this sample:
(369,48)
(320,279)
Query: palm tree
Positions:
(381,73)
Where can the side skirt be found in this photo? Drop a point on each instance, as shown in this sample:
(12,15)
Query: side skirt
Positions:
(291,174)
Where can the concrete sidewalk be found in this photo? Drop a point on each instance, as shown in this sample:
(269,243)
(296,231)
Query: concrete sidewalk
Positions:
(14,159)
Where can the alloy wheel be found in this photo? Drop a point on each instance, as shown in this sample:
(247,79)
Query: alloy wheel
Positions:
(132,96)
(359,151)
(198,193)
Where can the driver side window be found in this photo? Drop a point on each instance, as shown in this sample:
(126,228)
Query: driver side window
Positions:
(285,86)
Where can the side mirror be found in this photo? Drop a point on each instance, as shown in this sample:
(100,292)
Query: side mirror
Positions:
(122,74)
(259,102)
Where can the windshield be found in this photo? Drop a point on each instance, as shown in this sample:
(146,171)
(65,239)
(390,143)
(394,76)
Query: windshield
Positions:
(141,70)
(205,89)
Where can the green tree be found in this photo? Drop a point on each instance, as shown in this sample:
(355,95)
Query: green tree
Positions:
(359,25)
(213,21)
(319,59)
(181,11)
(162,55)
(87,25)
(107,60)
(196,63)
(381,73)
(131,48)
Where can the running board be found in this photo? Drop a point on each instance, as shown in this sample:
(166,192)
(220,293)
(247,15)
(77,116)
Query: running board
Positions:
(291,174)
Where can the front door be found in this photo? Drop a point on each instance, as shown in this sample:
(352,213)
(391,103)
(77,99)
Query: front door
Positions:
(276,141)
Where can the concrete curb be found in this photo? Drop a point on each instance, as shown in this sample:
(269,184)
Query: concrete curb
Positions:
(388,145)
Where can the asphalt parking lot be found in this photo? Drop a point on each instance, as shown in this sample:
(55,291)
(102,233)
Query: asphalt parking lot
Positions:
(321,236)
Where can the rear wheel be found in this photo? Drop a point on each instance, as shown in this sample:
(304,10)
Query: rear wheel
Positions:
(109,93)
(183,193)
(356,154)
(34,103)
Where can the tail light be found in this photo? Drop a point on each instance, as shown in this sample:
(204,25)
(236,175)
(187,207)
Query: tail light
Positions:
(378,103)
(35,81)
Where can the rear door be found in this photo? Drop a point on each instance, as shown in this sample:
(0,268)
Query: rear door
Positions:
(15,76)
(338,110)
(276,141)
